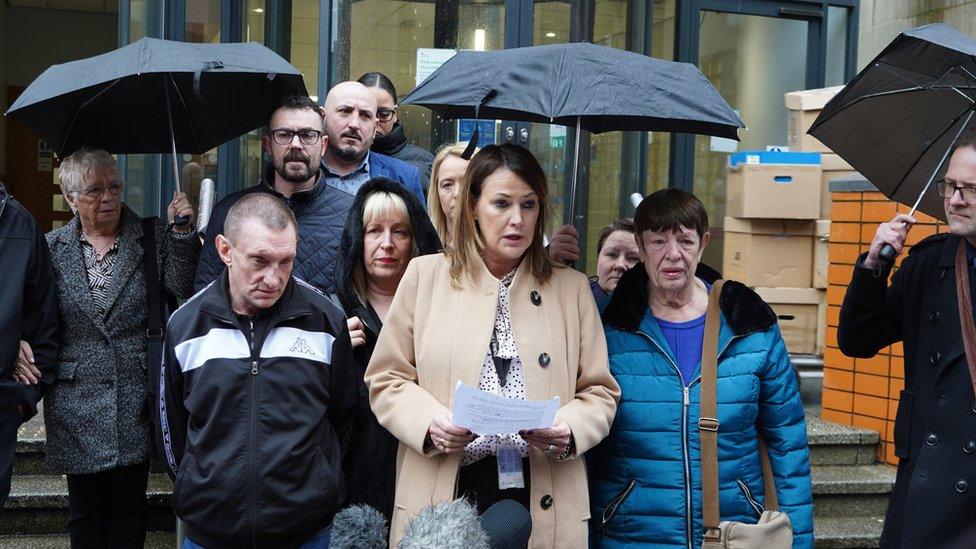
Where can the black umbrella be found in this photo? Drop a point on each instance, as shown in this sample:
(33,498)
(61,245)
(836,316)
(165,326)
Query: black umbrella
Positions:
(897,120)
(590,87)
(157,96)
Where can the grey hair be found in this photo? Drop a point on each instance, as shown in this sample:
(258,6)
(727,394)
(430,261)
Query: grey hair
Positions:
(79,167)
(270,210)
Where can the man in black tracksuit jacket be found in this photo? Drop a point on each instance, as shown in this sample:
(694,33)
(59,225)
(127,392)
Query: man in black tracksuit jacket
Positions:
(255,395)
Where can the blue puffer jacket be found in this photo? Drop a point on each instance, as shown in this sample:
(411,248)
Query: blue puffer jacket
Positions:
(645,478)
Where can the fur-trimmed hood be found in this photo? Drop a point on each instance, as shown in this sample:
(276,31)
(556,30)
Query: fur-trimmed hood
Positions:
(351,246)
(742,308)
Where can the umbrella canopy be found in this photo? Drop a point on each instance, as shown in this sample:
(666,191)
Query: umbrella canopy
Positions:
(896,121)
(600,88)
(118,101)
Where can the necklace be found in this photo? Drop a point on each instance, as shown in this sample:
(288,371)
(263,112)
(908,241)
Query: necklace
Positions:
(100,251)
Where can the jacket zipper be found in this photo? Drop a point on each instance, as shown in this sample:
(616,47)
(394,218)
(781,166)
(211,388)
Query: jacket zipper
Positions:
(252,480)
(685,455)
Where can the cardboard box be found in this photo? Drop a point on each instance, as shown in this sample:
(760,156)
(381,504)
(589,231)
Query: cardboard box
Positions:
(803,108)
(821,322)
(773,191)
(797,311)
(768,252)
(821,244)
(831,162)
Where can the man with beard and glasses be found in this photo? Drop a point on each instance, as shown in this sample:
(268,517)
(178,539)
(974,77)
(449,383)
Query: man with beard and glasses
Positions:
(350,124)
(296,142)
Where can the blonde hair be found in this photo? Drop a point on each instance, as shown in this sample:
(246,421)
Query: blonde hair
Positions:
(81,165)
(468,244)
(379,204)
(434,208)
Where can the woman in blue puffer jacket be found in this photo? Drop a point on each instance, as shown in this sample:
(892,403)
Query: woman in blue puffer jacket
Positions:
(645,478)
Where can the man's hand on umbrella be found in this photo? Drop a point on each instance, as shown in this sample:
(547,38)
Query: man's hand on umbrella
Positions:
(564,245)
(894,233)
(180,207)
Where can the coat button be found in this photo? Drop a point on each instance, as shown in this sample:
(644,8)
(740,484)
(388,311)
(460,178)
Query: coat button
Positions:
(935,358)
(544,360)
(536,298)
(969,447)
(547,500)
(931,439)
(934,317)
(961,486)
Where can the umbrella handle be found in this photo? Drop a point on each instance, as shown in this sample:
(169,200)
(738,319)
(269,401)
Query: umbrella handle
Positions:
(181,221)
(887,255)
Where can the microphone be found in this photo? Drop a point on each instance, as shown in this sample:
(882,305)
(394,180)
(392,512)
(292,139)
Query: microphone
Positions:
(635,199)
(447,524)
(359,527)
(207,194)
(508,525)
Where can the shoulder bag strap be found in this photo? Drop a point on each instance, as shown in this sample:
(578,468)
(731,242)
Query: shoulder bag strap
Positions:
(708,427)
(150,268)
(966,310)
(708,417)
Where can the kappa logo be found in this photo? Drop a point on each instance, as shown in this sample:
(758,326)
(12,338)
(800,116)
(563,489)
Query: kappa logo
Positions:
(301,346)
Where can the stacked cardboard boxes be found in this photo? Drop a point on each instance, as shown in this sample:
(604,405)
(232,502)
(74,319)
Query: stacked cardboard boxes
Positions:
(773,206)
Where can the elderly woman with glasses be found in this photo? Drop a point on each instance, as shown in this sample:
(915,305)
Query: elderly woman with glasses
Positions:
(95,412)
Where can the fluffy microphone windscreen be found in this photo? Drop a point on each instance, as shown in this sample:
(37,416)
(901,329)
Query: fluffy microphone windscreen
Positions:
(508,525)
(359,527)
(448,525)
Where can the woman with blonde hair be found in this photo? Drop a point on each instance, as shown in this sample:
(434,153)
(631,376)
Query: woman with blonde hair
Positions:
(497,313)
(445,176)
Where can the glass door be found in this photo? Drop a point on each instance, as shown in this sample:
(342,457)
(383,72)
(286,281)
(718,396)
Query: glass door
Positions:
(734,54)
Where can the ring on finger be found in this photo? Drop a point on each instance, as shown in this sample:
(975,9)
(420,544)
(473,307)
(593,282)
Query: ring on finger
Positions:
(550,448)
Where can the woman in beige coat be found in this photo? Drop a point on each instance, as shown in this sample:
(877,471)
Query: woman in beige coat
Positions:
(494,313)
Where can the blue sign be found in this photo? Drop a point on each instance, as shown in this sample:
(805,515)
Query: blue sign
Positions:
(486,131)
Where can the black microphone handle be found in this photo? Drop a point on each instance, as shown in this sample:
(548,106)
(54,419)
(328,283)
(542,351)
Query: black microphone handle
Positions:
(887,255)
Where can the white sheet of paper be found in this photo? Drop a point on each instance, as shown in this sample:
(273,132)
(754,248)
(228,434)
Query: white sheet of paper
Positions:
(485,413)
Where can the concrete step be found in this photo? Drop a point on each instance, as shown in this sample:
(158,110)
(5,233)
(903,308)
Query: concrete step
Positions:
(851,491)
(834,444)
(38,504)
(847,532)
(154,540)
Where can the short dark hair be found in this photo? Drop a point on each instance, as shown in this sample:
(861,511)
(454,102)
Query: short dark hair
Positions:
(379,80)
(625,224)
(270,210)
(967,139)
(294,103)
(669,210)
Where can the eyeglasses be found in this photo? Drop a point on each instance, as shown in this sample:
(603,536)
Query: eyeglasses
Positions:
(94,193)
(385,115)
(948,190)
(307,137)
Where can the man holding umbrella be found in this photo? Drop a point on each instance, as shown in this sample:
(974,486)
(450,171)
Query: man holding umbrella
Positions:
(934,498)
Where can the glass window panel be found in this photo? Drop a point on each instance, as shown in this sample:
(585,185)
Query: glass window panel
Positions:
(202,21)
(658,143)
(837,21)
(734,55)
(138,10)
(251,159)
(548,142)
(305,42)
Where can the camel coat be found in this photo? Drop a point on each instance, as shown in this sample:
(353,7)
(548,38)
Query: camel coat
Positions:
(436,335)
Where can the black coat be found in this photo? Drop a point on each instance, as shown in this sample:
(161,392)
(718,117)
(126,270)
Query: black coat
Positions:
(28,304)
(369,462)
(395,144)
(934,499)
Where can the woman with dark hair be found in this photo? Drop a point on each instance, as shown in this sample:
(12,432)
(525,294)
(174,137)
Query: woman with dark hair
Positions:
(386,228)
(616,250)
(645,482)
(473,314)
(390,139)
